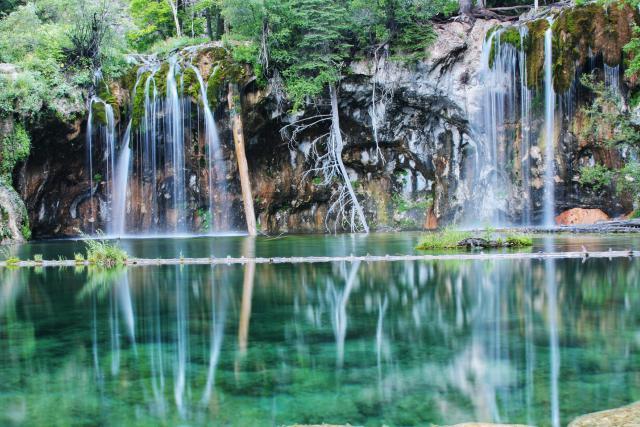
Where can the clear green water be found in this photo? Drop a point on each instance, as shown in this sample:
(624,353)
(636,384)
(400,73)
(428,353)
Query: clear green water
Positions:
(414,343)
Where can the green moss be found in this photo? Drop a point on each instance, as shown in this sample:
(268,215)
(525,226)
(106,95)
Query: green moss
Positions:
(15,147)
(591,27)
(138,101)
(99,113)
(161,78)
(214,84)
(534,48)
(128,81)
(510,35)
(190,84)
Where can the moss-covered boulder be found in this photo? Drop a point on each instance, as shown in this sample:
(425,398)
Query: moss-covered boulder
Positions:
(592,29)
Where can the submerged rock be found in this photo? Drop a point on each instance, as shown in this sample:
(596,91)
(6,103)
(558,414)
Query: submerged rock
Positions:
(579,216)
(627,416)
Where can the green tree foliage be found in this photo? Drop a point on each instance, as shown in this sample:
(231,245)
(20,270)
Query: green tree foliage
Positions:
(154,22)
(38,39)
(308,42)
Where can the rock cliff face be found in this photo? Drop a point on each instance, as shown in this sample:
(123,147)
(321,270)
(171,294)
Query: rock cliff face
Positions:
(410,149)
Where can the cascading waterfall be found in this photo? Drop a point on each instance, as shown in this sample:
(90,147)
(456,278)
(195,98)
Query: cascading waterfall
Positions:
(212,140)
(175,147)
(612,78)
(498,107)
(507,116)
(525,130)
(107,131)
(549,126)
(120,186)
(155,165)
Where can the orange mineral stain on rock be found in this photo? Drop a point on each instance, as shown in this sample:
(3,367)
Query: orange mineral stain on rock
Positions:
(579,216)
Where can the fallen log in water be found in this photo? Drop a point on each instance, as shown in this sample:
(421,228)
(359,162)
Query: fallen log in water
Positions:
(351,258)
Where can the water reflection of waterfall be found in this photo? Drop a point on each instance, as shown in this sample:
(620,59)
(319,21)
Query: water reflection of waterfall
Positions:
(473,341)
(554,351)
(156,166)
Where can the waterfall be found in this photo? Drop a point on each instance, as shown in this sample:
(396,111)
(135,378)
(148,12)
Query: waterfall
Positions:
(525,130)
(121,180)
(549,120)
(612,78)
(158,177)
(175,145)
(490,183)
(89,141)
(149,131)
(107,131)
(212,140)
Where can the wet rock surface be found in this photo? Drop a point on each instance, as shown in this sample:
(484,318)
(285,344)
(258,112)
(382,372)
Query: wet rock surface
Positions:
(409,144)
(579,216)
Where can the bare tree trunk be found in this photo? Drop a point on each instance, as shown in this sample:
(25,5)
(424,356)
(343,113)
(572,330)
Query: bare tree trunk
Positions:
(174,11)
(243,169)
(465,6)
(339,144)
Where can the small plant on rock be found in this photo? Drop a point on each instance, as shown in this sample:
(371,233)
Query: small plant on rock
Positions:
(105,253)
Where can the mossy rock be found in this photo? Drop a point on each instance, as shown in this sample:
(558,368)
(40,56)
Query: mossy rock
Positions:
(534,48)
(99,113)
(138,100)
(190,84)
(510,35)
(603,30)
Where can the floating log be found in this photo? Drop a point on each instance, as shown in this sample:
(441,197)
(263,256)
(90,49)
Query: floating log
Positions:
(351,258)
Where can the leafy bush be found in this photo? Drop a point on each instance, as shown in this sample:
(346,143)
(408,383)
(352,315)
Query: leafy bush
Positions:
(597,176)
(15,148)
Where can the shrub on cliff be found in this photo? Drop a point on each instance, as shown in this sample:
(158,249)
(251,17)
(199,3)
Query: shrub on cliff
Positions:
(13,148)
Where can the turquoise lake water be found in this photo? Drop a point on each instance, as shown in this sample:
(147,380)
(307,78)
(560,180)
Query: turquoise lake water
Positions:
(398,343)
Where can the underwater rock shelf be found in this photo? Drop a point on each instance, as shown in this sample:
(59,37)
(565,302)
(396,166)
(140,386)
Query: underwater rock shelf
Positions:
(367,258)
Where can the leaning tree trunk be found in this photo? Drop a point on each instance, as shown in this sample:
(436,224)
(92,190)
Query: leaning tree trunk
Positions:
(174,12)
(336,135)
(243,169)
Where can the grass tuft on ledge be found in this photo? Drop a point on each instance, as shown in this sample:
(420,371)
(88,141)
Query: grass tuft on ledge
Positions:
(445,239)
(105,253)
(519,240)
(453,239)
